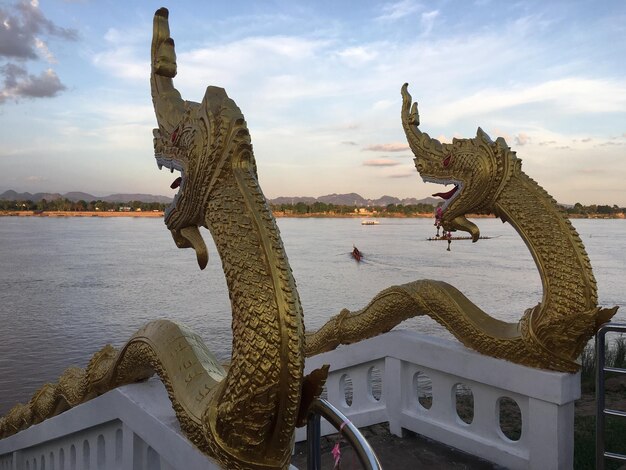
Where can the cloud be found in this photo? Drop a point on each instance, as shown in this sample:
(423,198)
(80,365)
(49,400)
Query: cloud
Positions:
(392,147)
(381,162)
(570,95)
(395,11)
(408,173)
(349,142)
(522,139)
(609,144)
(20,30)
(122,62)
(591,171)
(588,139)
(18,83)
(36,179)
(428,21)
(356,56)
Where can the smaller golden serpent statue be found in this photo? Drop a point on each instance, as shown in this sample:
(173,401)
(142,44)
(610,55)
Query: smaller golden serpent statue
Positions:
(488,179)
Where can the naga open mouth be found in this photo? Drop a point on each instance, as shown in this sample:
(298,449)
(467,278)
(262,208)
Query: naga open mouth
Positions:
(179,182)
(447,196)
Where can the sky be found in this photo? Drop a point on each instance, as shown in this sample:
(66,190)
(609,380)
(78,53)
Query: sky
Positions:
(319,84)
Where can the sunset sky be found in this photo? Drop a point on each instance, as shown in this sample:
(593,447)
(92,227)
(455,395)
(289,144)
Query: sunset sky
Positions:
(319,83)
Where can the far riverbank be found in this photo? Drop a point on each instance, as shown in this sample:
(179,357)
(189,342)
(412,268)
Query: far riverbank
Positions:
(278,214)
(80,214)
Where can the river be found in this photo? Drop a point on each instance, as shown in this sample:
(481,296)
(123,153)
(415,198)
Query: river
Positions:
(70,285)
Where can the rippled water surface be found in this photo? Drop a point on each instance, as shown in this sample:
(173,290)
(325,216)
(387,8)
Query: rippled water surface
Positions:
(70,285)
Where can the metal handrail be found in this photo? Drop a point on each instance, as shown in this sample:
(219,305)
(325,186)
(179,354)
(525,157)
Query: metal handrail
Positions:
(601,410)
(322,408)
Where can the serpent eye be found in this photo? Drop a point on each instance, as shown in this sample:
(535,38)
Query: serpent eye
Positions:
(447,161)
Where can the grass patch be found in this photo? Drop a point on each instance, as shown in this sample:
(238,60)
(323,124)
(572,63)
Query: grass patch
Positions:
(615,357)
(585,442)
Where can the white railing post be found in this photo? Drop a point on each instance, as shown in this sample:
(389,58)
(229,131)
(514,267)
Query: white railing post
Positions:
(394,393)
(128,447)
(552,435)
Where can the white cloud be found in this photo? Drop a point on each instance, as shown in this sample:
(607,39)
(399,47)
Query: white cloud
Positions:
(383,104)
(357,56)
(378,162)
(395,11)
(522,139)
(391,147)
(428,21)
(122,62)
(45,52)
(36,179)
(567,95)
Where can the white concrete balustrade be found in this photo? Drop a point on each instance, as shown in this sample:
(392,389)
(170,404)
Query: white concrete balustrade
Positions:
(405,361)
(133,427)
(407,379)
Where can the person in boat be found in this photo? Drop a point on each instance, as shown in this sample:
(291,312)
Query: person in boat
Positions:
(356,254)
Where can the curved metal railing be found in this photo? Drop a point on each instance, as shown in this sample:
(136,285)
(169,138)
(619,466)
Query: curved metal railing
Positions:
(322,408)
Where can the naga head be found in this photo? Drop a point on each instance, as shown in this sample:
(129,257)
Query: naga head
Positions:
(477,168)
(202,141)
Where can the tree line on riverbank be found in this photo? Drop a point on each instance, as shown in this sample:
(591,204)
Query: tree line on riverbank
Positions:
(321,208)
(596,210)
(409,210)
(299,209)
(65,205)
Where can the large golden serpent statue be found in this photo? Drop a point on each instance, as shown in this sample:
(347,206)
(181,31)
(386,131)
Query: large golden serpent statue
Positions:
(488,179)
(245,416)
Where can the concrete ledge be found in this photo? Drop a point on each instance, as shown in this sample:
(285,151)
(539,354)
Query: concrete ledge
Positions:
(545,399)
(141,414)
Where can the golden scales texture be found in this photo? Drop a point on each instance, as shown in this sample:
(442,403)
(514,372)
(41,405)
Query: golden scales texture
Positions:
(244,417)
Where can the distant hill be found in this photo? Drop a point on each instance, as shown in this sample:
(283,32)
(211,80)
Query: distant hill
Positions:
(11,195)
(349,199)
(354,199)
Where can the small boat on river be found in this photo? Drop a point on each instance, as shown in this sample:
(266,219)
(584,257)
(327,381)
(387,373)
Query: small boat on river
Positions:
(444,238)
(356,254)
(369,222)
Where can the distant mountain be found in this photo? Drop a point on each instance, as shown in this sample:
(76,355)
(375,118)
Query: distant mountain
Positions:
(292,200)
(349,199)
(11,195)
(136,197)
(78,196)
(354,199)
(433,201)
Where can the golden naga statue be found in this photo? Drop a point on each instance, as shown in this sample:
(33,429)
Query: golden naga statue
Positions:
(488,179)
(245,416)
